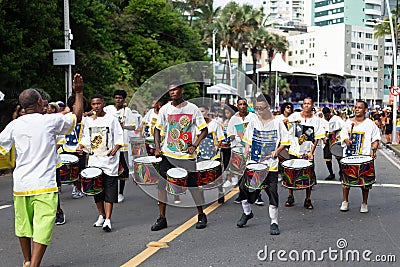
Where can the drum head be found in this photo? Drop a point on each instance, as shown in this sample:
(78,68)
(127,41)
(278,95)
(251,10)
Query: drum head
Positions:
(68,158)
(91,172)
(296,163)
(150,139)
(257,167)
(353,160)
(177,173)
(206,165)
(238,150)
(147,160)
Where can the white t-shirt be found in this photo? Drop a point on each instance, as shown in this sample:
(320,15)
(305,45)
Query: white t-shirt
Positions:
(207,145)
(34,136)
(70,142)
(125,116)
(237,126)
(362,136)
(149,122)
(100,136)
(180,125)
(137,122)
(264,139)
(303,132)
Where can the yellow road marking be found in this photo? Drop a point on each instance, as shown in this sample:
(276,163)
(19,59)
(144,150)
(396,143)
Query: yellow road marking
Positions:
(145,254)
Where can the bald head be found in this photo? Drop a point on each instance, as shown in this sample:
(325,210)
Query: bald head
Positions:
(28,98)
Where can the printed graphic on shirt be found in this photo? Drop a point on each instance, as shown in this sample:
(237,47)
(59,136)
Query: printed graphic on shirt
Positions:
(227,139)
(241,128)
(74,137)
(179,135)
(99,140)
(207,147)
(263,144)
(304,133)
(357,142)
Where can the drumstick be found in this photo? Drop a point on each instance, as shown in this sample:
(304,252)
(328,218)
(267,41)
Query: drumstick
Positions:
(351,130)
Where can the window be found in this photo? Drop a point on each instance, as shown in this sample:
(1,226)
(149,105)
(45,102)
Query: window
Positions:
(368,35)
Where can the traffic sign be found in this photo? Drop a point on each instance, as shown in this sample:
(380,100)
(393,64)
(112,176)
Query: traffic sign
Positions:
(395,90)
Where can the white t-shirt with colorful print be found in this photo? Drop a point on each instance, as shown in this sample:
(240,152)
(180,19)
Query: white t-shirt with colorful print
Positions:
(237,126)
(303,132)
(180,125)
(264,139)
(362,136)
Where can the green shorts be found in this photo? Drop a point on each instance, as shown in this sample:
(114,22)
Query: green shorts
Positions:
(40,226)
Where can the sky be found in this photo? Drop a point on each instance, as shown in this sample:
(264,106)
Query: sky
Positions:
(222,3)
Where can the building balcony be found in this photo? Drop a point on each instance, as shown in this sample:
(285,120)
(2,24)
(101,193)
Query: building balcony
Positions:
(372,12)
(374,2)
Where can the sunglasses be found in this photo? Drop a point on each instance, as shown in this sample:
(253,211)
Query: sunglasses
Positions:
(259,108)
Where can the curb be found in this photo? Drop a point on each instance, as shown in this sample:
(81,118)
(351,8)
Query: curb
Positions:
(389,146)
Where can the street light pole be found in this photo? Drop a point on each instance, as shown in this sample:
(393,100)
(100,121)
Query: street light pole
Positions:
(359,89)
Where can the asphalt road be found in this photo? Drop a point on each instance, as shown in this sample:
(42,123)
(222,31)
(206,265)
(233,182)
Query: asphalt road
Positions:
(334,237)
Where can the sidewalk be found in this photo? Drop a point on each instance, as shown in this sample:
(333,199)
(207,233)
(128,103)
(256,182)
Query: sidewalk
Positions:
(394,147)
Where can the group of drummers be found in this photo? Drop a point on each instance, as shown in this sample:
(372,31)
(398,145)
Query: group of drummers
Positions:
(177,147)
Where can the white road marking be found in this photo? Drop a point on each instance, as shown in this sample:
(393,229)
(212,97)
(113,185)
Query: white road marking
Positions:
(5,206)
(389,158)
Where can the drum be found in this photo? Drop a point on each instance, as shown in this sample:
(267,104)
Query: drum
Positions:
(297,174)
(145,170)
(237,164)
(176,178)
(283,155)
(69,171)
(358,170)
(92,181)
(335,145)
(256,175)
(209,174)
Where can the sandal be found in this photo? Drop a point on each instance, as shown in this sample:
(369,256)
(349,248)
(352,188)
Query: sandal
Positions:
(290,201)
(308,205)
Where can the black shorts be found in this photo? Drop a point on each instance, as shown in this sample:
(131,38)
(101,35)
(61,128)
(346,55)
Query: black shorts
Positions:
(58,178)
(271,190)
(169,163)
(110,190)
(123,159)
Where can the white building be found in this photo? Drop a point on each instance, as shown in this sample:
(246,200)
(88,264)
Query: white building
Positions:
(342,49)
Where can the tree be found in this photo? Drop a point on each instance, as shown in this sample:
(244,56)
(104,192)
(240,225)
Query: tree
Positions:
(282,84)
(274,43)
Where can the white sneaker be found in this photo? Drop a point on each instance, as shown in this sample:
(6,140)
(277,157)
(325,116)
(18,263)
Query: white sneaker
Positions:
(364,208)
(344,206)
(78,194)
(107,225)
(235,180)
(120,198)
(99,222)
(280,178)
(177,200)
(227,184)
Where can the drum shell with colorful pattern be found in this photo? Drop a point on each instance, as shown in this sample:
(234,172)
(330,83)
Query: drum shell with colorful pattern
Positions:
(145,170)
(176,181)
(357,170)
(91,181)
(256,176)
(69,171)
(237,163)
(297,174)
(209,174)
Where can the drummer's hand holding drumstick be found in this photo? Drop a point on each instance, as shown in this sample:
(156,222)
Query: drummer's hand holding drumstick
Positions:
(113,151)
(374,148)
(79,150)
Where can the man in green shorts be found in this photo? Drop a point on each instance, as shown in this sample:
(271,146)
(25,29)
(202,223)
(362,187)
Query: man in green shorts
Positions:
(35,189)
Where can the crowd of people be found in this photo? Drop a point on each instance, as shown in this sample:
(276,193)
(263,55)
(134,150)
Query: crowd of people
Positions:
(252,148)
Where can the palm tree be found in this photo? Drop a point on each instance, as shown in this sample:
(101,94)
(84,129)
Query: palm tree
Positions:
(283,86)
(274,43)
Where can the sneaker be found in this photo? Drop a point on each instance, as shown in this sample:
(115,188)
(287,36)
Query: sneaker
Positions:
(201,221)
(364,208)
(78,194)
(344,206)
(280,178)
(107,225)
(308,205)
(243,220)
(99,222)
(120,198)
(161,223)
(235,181)
(330,177)
(238,200)
(289,202)
(227,184)
(60,218)
(177,200)
(259,201)
(274,229)
(26,263)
